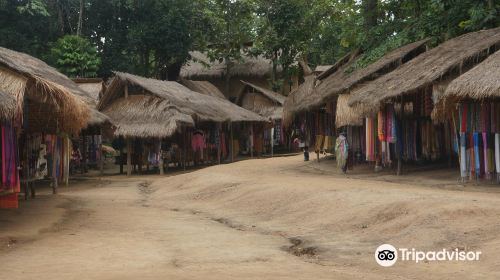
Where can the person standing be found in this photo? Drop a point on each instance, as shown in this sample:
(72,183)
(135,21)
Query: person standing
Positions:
(342,152)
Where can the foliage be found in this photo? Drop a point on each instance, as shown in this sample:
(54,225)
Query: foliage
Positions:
(154,37)
(75,57)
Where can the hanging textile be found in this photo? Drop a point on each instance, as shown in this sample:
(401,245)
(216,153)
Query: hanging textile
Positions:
(370,139)
(10,186)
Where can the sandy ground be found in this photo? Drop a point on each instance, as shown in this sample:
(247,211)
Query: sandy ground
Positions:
(275,218)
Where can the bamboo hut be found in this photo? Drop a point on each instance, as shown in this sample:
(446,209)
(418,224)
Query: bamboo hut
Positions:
(471,104)
(268,104)
(406,97)
(262,101)
(42,108)
(90,140)
(256,70)
(145,110)
(325,98)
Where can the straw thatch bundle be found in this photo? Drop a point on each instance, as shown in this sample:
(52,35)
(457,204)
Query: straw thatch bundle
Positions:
(93,87)
(146,116)
(7,106)
(200,67)
(481,82)
(181,104)
(350,116)
(271,95)
(299,99)
(24,76)
(203,87)
(449,59)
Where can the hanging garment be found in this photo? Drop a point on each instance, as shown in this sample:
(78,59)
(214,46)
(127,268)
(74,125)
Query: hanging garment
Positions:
(381,126)
(319,143)
(463,159)
(10,186)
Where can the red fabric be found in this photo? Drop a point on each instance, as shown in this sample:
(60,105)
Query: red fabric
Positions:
(9,201)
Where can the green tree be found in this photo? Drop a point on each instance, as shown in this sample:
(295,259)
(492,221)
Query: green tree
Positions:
(75,57)
(230,28)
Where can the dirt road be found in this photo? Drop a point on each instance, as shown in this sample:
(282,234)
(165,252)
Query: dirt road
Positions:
(260,219)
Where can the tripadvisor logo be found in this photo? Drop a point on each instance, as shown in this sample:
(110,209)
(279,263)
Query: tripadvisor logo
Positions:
(387,255)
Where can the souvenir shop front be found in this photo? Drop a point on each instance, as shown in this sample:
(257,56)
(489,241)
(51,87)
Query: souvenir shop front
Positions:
(34,149)
(315,130)
(403,131)
(477,126)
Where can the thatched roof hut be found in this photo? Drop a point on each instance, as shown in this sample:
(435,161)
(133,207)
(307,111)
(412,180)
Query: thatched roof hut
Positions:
(200,67)
(203,87)
(54,100)
(264,102)
(142,107)
(445,61)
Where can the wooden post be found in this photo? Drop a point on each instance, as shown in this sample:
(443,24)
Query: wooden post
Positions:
(251,140)
(101,159)
(129,157)
(54,168)
(161,161)
(121,160)
(184,149)
(272,141)
(219,150)
(232,140)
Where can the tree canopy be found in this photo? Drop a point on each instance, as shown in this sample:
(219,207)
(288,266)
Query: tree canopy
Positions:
(153,37)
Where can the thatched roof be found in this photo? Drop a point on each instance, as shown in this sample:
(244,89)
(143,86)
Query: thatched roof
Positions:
(92,86)
(481,82)
(22,74)
(200,67)
(352,116)
(7,106)
(146,116)
(203,87)
(177,100)
(338,80)
(348,58)
(297,100)
(450,58)
(273,96)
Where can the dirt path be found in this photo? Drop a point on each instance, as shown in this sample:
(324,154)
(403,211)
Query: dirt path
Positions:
(261,219)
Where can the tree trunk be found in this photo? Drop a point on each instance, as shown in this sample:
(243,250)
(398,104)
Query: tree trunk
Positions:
(369,13)
(80,20)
